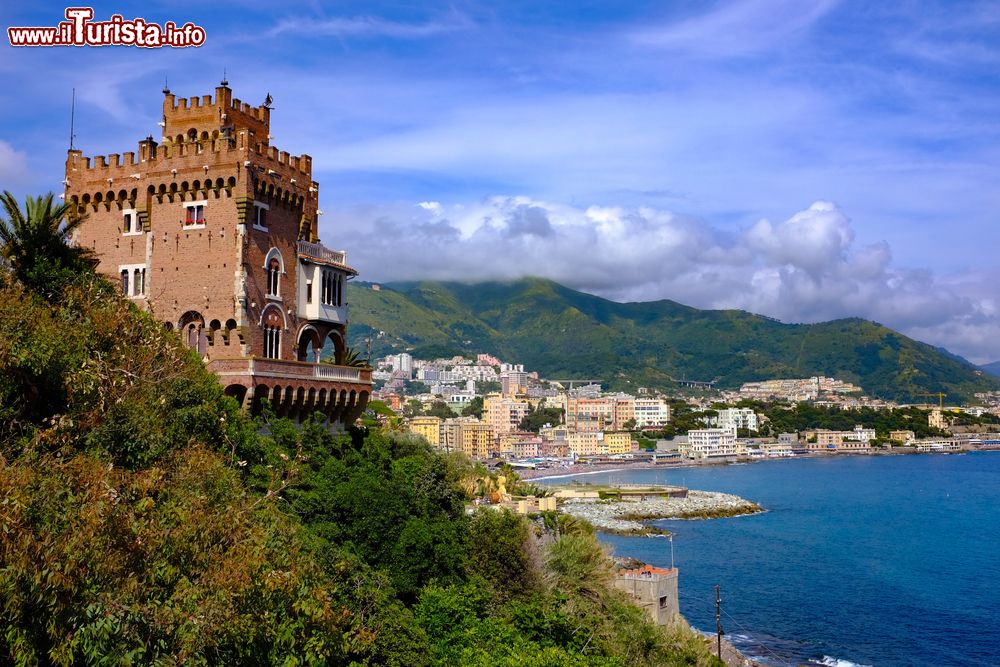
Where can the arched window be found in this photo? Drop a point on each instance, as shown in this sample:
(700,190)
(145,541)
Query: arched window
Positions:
(272,321)
(272,342)
(125,281)
(332,288)
(274,266)
(139,281)
(273,277)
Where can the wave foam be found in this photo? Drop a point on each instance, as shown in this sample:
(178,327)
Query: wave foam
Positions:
(838,662)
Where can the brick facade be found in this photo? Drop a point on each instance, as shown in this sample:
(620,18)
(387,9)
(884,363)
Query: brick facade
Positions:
(215,232)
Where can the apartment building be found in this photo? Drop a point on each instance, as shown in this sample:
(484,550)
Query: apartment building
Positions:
(709,443)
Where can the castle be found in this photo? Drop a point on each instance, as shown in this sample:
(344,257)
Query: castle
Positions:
(214,232)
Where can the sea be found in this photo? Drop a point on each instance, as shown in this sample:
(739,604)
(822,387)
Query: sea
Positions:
(858,560)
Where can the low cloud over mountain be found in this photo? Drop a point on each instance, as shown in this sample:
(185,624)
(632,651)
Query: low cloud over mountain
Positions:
(807,268)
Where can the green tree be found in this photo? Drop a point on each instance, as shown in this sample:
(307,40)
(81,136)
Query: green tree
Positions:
(498,551)
(541,416)
(36,243)
(474,408)
(440,409)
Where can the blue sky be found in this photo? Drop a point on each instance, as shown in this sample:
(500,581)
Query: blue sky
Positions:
(806,160)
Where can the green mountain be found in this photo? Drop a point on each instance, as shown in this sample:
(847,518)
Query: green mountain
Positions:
(567,334)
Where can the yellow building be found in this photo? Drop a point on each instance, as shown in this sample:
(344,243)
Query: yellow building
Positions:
(617,442)
(429,428)
(477,440)
(585,443)
(936,419)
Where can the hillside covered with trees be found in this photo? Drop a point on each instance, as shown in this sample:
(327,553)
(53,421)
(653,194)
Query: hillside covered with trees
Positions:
(144,519)
(563,333)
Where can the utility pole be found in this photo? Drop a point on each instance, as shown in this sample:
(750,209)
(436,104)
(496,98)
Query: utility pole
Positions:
(718,620)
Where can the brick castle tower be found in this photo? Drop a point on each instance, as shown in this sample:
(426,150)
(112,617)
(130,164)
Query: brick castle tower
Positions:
(214,231)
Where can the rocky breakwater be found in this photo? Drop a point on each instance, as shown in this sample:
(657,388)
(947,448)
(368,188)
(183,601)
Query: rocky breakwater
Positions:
(629,516)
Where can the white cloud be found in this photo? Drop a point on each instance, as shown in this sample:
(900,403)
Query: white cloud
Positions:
(368,26)
(13,164)
(737,28)
(806,268)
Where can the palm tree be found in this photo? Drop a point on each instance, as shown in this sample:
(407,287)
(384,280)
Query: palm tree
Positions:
(351,358)
(36,243)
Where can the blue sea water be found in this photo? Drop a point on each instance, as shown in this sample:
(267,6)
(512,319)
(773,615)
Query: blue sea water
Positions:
(884,561)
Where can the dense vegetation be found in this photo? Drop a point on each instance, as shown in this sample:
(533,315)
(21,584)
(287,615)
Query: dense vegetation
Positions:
(145,520)
(563,333)
(803,416)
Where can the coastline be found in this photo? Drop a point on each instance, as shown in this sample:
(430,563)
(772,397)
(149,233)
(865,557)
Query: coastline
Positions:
(632,517)
(578,469)
(762,656)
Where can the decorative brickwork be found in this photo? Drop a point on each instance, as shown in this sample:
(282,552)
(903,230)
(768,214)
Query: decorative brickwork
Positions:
(212,217)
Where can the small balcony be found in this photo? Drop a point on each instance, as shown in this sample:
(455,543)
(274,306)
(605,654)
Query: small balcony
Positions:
(321,276)
(296,389)
(320,254)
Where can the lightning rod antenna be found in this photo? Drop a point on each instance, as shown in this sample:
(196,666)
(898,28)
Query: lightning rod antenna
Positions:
(72,118)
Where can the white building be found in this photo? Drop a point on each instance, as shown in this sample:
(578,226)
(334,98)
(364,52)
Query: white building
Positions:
(731,419)
(710,443)
(402,362)
(651,412)
(861,434)
(513,382)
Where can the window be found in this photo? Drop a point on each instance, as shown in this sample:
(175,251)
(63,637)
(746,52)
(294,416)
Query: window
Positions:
(194,214)
(130,222)
(332,288)
(133,279)
(663,602)
(272,342)
(260,216)
(273,276)
(139,282)
(309,291)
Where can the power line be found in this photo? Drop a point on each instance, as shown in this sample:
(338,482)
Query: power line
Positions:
(718,619)
(743,628)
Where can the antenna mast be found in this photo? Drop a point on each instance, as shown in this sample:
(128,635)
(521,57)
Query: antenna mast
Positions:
(72,118)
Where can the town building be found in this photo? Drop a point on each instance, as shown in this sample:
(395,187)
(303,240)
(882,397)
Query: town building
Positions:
(585,443)
(616,443)
(429,427)
(857,440)
(402,363)
(514,382)
(470,436)
(504,414)
(936,419)
(709,443)
(654,589)
(733,419)
(216,233)
(798,389)
(650,411)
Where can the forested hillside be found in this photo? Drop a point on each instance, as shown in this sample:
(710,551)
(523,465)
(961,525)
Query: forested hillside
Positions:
(563,333)
(144,519)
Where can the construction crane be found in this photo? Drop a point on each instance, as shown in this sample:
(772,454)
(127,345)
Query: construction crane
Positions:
(940,396)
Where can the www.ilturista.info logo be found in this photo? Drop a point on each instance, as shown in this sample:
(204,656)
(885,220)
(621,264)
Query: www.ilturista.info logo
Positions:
(80,30)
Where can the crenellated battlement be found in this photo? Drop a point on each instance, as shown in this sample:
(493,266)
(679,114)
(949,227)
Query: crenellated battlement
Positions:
(186,119)
(223,146)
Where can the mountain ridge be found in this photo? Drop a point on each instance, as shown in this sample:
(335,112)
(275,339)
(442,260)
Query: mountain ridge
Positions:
(566,333)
